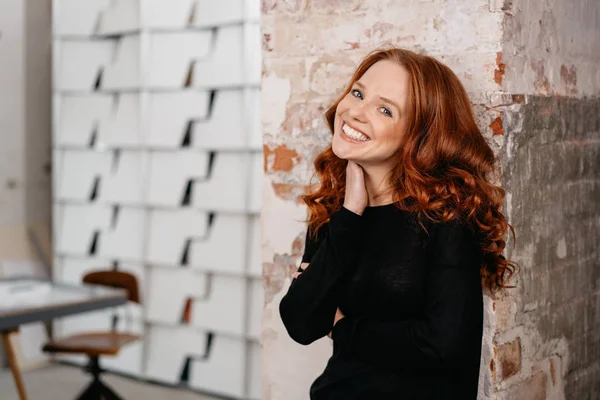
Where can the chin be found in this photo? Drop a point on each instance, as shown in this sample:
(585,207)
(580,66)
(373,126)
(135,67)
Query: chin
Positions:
(343,152)
(339,150)
(347,156)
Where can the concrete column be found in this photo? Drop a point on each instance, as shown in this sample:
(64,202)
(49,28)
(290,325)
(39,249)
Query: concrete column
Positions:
(530,68)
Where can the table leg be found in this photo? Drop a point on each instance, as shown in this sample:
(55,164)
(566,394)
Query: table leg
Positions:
(14,367)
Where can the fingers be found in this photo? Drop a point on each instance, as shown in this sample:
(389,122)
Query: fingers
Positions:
(354,169)
(356,197)
(296,274)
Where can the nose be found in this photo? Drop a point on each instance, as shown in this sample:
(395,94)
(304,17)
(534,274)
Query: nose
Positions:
(357,111)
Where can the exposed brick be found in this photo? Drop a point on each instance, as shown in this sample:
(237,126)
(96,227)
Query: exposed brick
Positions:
(280,158)
(499,72)
(496,126)
(518,98)
(509,355)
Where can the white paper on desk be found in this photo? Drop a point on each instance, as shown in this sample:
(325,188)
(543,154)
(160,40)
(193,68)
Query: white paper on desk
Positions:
(22,268)
(23,293)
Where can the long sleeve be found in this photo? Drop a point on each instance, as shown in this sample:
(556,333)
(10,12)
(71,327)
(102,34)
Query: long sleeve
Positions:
(308,308)
(452,314)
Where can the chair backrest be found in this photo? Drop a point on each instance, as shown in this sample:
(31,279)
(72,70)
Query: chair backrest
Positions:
(115,279)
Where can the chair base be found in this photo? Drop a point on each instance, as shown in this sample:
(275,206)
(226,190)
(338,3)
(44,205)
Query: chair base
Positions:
(97,390)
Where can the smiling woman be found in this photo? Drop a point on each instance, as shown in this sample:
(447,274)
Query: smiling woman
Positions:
(405,233)
(371,115)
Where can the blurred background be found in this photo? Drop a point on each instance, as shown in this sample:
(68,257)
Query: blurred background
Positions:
(131,142)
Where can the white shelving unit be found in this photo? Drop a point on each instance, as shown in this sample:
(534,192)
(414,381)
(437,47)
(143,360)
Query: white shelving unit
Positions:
(157,155)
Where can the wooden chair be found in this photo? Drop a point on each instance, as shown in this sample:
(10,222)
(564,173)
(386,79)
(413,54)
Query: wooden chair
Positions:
(96,344)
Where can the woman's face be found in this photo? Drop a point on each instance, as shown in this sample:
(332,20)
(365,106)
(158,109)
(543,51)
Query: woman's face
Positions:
(369,121)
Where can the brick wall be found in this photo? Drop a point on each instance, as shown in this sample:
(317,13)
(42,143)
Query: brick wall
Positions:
(546,335)
(548,340)
(509,55)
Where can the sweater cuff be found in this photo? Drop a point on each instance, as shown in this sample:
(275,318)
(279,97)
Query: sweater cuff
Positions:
(344,220)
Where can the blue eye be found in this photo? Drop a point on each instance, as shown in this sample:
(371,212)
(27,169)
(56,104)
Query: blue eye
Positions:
(357,93)
(385,111)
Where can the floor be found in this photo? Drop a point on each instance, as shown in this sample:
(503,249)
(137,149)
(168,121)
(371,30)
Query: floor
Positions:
(65,382)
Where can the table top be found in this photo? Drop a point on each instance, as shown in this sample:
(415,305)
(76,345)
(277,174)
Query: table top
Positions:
(24,300)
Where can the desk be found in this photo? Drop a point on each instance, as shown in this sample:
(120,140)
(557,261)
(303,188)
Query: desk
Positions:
(46,300)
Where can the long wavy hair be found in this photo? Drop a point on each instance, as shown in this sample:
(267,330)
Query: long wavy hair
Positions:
(443,165)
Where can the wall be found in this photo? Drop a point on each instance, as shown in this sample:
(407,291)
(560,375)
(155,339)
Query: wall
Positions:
(550,47)
(304,68)
(510,55)
(547,334)
(548,331)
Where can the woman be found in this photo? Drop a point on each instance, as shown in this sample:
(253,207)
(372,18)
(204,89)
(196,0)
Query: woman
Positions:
(404,234)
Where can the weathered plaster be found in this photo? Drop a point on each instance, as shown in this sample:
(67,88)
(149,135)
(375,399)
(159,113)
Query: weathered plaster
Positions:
(551,47)
(503,51)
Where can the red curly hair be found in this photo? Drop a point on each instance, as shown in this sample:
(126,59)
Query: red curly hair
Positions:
(443,163)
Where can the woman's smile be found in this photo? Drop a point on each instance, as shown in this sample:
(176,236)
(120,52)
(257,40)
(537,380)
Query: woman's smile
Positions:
(353,135)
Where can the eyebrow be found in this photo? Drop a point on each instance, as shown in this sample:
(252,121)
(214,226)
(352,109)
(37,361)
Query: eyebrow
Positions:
(384,99)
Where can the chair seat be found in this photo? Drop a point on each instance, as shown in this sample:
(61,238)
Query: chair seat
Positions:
(91,344)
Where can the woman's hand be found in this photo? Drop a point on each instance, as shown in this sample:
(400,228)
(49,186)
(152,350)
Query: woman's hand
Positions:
(356,199)
(338,316)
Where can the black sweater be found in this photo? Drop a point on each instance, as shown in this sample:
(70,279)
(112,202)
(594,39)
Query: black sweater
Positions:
(412,302)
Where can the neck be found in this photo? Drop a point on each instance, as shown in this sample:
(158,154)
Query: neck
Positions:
(377,185)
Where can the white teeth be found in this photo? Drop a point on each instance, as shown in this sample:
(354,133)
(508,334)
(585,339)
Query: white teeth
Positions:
(354,134)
